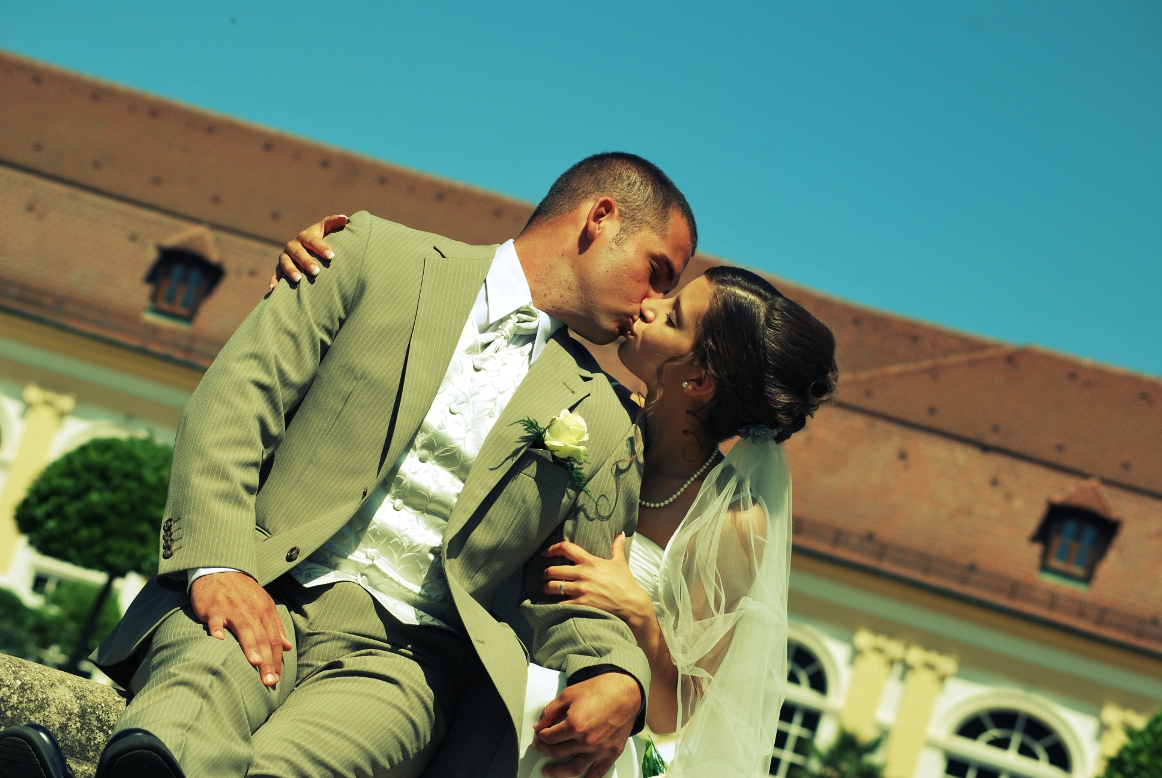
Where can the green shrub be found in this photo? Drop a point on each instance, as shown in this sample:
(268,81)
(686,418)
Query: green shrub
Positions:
(846,757)
(100,505)
(1141,756)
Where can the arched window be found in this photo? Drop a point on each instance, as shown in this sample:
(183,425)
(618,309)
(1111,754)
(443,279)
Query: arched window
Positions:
(1015,744)
(799,721)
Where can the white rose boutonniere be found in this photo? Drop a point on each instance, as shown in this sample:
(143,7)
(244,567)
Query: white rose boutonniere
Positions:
(564,438)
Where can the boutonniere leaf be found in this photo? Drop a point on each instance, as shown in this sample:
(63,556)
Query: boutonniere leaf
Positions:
(564,437)
(652,763)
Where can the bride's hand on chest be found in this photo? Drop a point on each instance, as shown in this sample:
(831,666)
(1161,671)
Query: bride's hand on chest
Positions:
(605,584)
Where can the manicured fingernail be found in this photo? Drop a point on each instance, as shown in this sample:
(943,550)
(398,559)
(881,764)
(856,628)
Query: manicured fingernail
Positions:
(272,287)
(314,270)
(219,635)
(344,216)
(270,678)
(330,255)
(298,277)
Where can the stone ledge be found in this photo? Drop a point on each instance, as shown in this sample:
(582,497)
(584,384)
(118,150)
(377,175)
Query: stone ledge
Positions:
(79,712)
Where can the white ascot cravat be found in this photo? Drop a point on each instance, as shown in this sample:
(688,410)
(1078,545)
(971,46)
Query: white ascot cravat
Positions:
(523,322)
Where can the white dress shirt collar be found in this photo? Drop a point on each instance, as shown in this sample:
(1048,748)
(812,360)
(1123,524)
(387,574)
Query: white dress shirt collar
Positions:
(505,290)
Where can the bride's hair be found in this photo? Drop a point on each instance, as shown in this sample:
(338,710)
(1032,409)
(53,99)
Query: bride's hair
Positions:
(772,362)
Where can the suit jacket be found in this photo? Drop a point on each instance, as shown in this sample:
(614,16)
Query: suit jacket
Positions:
(313,400)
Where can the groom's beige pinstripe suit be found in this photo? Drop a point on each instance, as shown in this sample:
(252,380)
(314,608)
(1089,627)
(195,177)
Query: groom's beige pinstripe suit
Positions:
(306,409)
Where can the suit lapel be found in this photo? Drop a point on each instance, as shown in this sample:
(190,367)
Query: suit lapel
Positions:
(447,292)
(553,383)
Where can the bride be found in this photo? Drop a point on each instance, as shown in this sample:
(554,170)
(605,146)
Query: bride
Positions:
(703,582)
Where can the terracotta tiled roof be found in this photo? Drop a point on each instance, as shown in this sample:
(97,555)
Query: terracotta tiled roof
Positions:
(1088,418)
(1089,495)
(960,517)
(937,464)
(81,259)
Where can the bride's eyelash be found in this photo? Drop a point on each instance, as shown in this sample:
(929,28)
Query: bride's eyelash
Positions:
(670,319)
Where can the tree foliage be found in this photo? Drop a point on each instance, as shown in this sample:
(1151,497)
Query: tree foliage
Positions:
(1141,756)
(100,505)
(846,757)
(44,633)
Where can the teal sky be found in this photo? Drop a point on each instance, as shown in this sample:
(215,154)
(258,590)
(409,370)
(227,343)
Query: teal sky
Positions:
(993,167)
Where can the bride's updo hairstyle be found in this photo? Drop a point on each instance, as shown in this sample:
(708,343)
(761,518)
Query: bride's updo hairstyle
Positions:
(772,362)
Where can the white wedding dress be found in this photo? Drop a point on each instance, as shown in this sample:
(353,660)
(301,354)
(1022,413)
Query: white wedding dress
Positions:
(719,589)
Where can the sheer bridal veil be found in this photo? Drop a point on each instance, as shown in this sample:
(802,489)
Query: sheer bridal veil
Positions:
(724,613)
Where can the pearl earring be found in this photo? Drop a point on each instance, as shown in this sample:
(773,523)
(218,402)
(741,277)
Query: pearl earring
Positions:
(685,384)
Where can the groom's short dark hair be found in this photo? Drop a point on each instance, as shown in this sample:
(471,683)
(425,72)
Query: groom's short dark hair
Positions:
(646,195)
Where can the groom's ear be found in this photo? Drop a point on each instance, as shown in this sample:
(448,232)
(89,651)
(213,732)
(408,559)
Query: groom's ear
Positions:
(603,216)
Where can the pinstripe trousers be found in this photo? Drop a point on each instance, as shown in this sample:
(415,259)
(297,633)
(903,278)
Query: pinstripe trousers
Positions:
(361,694)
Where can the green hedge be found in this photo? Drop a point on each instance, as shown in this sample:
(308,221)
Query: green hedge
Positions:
(47,633)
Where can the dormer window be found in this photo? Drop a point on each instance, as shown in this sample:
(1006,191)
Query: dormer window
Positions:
(181,280)
(1074,541)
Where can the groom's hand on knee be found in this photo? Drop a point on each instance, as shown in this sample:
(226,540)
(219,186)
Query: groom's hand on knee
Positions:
(588,724)
(236,602)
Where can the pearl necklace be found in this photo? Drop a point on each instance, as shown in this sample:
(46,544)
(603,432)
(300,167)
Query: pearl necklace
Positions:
(677,494)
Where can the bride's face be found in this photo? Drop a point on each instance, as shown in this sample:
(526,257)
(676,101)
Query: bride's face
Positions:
(665,330)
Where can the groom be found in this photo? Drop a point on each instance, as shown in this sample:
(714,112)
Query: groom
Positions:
(351,488)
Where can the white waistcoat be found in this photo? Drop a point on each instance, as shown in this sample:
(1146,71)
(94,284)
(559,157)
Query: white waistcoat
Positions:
(391,546)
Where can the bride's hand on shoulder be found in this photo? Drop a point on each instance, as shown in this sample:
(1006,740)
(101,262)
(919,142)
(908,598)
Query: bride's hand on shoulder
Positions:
(605,584)
(307,252)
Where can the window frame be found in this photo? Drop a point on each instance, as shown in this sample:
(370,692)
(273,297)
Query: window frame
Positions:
(948,743)
(185,296)
(1050,535)
(804,700)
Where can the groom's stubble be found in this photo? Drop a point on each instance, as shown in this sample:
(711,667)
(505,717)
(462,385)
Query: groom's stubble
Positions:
(584,269)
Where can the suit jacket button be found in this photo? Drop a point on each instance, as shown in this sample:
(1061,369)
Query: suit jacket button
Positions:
(167,553)
(168,525)
(293,554)
(364,494)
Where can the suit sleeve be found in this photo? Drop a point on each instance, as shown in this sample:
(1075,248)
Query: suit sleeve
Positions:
(579,640)
(238,414)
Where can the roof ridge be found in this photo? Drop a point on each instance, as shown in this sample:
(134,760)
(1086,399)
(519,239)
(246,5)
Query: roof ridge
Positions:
(1095,364)
(904,368)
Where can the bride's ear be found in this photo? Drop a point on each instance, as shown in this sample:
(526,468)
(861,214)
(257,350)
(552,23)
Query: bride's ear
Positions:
(701,386)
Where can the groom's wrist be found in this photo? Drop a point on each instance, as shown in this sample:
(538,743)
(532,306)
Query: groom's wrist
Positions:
(587,673)
(198,572)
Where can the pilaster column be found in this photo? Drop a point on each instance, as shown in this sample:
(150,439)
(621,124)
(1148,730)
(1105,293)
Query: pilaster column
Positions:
(1114,720)
(875,655)
(926,673)
(42,419)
